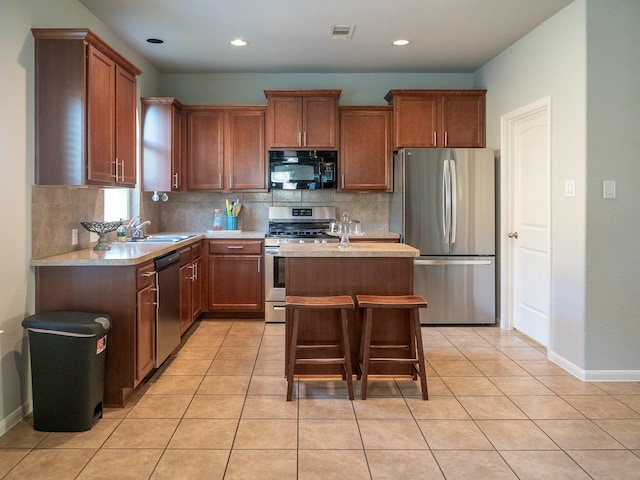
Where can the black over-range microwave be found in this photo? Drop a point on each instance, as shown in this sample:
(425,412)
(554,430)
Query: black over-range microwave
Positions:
(303,170)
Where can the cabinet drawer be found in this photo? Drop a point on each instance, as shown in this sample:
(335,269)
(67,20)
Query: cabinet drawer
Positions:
(145,275)
(196,250)
(238,247)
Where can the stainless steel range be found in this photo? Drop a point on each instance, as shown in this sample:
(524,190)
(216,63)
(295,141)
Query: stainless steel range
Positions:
(290,224)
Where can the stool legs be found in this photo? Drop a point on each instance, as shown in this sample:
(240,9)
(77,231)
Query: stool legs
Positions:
(341,303)
(293,350)
(414,346)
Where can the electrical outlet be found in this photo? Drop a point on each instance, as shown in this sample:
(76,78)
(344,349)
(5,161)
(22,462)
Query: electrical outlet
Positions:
(74,236)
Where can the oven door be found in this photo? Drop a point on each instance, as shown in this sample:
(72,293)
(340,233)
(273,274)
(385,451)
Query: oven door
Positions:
(274,290)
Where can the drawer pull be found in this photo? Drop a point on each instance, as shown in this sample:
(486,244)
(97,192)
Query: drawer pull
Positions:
(235,247)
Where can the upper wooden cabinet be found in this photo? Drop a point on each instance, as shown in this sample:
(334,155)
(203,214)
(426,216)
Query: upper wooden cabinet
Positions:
(161,145)
(438,118)
(302,119)
(225,148)
(366,148)
(85,110)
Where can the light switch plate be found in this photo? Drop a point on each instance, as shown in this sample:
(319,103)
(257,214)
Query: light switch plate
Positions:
(74,236)
(93,237)
(609,189)
(569,188)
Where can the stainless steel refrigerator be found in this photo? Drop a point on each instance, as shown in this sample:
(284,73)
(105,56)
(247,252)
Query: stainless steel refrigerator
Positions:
(444,205)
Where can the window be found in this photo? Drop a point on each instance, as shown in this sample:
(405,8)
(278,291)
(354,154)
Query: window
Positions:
(117,204)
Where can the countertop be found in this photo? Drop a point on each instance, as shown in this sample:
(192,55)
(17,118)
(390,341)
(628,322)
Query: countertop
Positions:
(135,253)
(357,249)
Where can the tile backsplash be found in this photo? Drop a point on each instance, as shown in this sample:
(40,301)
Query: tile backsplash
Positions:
(56,210)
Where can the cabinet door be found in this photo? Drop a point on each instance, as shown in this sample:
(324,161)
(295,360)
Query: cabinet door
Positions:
(196,289)
(236,283)
(100,117)
(246,150)
(463,118)
(416,121)
(205,146)
(319,127)
(284,122)
(177,171)
(125,128)
(365,149)
(145,332)
(185,297)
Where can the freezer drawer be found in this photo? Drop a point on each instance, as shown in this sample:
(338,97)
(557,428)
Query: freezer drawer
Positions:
(459,290)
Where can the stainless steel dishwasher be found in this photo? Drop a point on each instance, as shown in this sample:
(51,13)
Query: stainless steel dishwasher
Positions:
(168,305)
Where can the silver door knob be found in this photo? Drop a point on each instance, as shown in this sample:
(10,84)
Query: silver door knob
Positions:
(513,234)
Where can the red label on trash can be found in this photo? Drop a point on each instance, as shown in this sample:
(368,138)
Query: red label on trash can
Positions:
(101,345)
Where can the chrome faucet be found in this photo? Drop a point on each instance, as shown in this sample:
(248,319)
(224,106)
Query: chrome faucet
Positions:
(136,227)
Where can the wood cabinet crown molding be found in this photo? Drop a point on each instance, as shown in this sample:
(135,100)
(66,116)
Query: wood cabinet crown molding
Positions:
(89,37)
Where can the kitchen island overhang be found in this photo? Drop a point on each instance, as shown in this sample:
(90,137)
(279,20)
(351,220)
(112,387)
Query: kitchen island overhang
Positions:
(369,268)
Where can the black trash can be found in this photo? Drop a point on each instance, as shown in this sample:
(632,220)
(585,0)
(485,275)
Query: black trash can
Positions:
(68,353)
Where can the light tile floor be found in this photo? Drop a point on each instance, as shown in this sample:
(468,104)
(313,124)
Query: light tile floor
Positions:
(498,409)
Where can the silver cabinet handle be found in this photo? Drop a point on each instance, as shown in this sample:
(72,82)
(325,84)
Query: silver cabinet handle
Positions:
(175,180)
(452,262)
(299,139)
(513,234)
(304,136)
(446,139)
(435,138)
(148,274)
(259,264)
(122,172)
(235,247)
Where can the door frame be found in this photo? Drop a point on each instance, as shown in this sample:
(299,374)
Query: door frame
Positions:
(507,210)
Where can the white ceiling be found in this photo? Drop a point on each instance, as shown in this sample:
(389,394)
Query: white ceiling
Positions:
(294,35)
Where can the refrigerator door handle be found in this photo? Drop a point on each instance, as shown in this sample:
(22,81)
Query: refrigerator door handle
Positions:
(446,202)
(454,200)
(452,262)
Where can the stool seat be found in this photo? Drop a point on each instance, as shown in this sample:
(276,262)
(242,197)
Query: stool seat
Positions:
(412,347)
(335,302)
(391,301)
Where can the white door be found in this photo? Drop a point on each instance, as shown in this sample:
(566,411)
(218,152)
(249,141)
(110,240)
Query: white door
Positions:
(526,221)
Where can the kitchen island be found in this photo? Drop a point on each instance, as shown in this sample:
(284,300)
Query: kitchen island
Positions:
(370,268)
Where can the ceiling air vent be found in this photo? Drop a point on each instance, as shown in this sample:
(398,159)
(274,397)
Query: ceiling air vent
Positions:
(342,32)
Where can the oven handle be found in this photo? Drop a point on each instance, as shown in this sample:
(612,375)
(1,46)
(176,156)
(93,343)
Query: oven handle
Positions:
(272,250)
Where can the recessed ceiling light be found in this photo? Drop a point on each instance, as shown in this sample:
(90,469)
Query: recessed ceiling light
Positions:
(401,43)
(154,40)
(238,42)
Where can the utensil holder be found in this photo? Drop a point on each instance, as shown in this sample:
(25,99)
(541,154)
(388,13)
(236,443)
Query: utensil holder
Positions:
(232,223)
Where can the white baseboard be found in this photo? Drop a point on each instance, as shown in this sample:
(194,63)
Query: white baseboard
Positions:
(595,375)
(14,417)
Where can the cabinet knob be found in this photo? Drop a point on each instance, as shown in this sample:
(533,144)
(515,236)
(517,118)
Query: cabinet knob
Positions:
(513,234)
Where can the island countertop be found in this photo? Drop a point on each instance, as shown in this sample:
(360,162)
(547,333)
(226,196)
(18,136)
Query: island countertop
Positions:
(357,249)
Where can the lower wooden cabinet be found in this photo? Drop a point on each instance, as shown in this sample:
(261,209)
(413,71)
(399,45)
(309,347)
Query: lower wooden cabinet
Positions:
(146,300)
(128,295)
(236,276)
(190,285)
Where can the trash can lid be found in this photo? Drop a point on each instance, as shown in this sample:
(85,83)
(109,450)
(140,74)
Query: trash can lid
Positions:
(86,323)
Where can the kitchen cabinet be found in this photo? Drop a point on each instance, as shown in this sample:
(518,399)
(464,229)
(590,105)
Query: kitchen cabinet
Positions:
(162,145)
(438,118)
(302,119)
(190,285)
(366,152)
(85,111)
(236,278)
(127,293)
(226,148)
(146,300)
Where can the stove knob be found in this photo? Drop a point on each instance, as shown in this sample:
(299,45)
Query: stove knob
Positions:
(316,241)
(324,240)
(302,240)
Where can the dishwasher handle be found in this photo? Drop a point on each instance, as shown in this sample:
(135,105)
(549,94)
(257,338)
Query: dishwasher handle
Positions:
(167,260)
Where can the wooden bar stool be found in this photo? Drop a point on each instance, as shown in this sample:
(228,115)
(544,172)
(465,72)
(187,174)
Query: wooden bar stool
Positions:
(337,302)
(413,345)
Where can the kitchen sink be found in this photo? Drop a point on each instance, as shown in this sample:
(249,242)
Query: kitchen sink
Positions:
(170,238)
